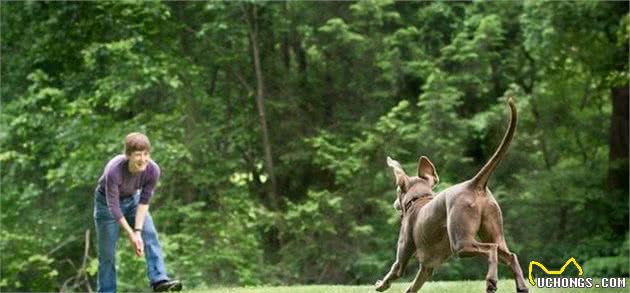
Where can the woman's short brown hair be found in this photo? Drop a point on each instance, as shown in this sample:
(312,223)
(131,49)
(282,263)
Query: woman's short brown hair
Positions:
(136,141)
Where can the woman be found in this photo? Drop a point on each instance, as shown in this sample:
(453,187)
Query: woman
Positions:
(122,199)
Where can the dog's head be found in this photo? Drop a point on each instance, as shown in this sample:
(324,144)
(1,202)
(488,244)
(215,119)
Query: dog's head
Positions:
(409,187)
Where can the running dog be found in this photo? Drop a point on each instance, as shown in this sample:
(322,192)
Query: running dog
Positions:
(436,226)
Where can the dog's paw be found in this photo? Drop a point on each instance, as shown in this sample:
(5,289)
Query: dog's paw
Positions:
(491,286)
(522,290)
(381,285)
(409,290)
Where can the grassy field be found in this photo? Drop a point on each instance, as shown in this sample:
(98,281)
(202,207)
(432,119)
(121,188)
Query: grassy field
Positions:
(430,287)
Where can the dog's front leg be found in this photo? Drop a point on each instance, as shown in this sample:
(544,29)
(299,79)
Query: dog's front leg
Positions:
(404,251)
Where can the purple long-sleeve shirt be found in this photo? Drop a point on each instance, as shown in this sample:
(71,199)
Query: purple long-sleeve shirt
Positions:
(117,182)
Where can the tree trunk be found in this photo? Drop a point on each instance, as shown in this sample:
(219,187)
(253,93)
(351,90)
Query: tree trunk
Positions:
(286,54)
(617,181)
(618,141)
(191,108)
(260,105)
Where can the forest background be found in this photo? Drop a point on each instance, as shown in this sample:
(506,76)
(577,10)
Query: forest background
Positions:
(271,122)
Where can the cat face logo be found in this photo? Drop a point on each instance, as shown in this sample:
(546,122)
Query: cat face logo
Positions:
(558,272)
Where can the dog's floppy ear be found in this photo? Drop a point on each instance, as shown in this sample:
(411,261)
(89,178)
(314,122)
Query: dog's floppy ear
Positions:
(402,180)
(427,170)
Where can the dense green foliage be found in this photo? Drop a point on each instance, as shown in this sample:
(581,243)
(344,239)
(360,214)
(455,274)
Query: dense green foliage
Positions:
(343,85)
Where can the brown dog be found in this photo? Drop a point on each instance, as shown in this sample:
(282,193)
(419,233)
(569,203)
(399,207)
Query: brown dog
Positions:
(438,226)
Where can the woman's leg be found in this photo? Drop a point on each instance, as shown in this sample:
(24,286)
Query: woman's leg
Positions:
(106,236)
(156,270)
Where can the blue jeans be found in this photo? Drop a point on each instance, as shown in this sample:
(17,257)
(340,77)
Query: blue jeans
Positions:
(107,230)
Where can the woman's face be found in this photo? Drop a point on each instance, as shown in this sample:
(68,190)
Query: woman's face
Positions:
(138,161)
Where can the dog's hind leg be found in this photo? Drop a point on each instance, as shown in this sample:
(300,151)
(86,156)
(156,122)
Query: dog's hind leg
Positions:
(405,250)
(511,260)
(491,230)
(422,276)
(489,251)
(463,224)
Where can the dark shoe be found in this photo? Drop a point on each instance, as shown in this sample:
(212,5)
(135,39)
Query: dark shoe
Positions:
(167,285)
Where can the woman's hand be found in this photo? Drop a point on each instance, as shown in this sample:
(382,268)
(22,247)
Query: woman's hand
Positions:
(139,244)
(135,239)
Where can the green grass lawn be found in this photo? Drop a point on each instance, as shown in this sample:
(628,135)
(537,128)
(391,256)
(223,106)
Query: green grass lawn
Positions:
(430,287)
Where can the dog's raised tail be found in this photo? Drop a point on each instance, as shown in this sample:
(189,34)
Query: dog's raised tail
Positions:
(481,178)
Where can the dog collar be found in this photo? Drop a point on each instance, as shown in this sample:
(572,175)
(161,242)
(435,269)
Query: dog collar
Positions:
(410,203)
